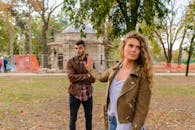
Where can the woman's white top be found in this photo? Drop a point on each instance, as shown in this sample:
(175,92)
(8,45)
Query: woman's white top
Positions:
(114,93)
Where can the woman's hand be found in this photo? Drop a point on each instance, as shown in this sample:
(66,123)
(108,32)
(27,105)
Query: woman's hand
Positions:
(89,64)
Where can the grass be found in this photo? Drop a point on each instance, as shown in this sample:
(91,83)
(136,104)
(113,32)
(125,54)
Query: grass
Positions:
(36,89)
(43,100)
(25,89)
(175,91)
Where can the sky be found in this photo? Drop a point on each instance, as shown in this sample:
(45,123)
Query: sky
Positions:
(180,5)
(56,2)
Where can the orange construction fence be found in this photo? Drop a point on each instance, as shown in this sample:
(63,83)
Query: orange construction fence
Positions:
(26,63)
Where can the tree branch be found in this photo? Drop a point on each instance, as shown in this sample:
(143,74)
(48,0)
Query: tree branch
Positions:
(162,43)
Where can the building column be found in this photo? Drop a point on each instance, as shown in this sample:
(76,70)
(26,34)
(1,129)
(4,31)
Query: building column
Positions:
(52,58)
(66,55)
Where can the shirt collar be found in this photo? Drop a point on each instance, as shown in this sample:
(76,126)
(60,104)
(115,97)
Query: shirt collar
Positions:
(135,70)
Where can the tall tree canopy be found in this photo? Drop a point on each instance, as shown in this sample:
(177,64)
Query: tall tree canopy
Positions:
(123,15)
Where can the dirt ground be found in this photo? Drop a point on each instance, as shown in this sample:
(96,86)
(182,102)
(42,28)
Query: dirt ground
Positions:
(168,111)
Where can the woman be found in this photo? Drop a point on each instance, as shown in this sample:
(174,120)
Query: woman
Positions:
(129,85)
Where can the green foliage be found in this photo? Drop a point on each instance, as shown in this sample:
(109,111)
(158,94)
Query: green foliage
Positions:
(190,23)
(4,37)
(56,25)
(184,61)
(124,15)
(155,48)
(114,51)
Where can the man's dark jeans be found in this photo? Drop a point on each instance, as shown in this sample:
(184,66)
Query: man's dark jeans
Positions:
(74,107)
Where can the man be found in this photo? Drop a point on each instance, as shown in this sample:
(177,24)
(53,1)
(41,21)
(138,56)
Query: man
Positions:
(1,62)
(80,88)
(5,62)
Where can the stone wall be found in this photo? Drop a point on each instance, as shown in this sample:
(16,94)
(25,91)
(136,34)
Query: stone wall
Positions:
(60,37)
(66,50)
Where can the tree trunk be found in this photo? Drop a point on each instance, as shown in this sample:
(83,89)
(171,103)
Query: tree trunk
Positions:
(180,49)
(23,46)
(179,56)
(106,43)
(190,54)
(134,12)
(11,42)
(179,68)
(131,23)
(26,42)
(188,63)
(30,35)
(45,47)
(169,59)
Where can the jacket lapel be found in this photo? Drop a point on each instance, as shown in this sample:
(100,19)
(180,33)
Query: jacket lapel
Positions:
(111,76)
(114,71)
(131,80)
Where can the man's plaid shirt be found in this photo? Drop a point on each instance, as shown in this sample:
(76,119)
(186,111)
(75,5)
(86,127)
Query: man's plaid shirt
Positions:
(85,92)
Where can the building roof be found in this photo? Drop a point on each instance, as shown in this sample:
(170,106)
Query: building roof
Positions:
(55,43)
(71,28)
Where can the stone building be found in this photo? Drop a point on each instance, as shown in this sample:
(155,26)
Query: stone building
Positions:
(63,47)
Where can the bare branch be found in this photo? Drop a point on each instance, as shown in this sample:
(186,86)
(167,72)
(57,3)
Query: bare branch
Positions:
(52,10)
(161,42)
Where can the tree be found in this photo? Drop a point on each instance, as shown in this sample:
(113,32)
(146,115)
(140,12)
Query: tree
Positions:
(184,32)
(45,11)
(113,18)
(24,11)
(190,52)
(154,47)
(123,15)
(168,31)
(191,28)
(7,13)
(4,37)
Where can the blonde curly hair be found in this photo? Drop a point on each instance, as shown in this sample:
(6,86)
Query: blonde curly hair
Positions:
(144,58)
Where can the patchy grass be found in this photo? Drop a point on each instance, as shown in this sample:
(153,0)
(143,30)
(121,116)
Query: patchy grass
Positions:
(34,89)
(175,91)
(25,89)
(42,103)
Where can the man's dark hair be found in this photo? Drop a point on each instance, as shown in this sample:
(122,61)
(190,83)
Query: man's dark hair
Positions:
(80,42)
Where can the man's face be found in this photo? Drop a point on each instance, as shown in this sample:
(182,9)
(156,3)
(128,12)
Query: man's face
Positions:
(80,50)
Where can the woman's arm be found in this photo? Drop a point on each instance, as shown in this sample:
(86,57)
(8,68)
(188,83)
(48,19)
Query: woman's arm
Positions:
(101,76)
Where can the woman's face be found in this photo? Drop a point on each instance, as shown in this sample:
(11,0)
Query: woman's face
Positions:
(132,49)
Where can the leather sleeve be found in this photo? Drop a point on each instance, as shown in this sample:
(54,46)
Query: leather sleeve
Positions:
(90,79)
(101,76)
(73,77)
